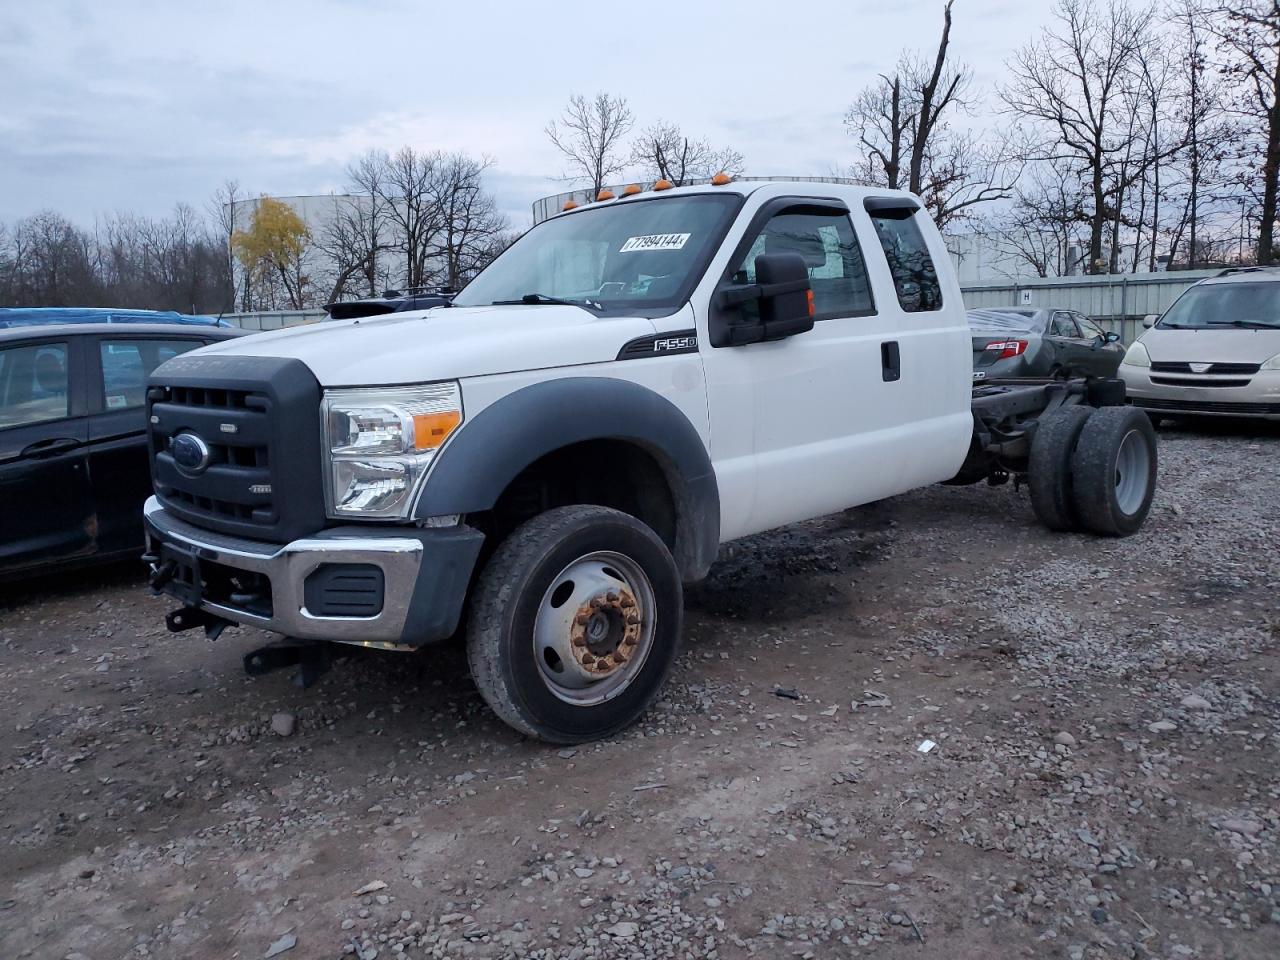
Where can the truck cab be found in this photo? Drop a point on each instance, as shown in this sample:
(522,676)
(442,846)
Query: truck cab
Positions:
(547,459)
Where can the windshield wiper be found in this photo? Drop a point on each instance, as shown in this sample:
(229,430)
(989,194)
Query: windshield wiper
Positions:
(539,298)
(1247,324)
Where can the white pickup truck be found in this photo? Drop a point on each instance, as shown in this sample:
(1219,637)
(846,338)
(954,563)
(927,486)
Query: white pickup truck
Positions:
(542,464)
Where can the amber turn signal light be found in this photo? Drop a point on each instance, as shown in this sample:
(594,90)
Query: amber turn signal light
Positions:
(430,430)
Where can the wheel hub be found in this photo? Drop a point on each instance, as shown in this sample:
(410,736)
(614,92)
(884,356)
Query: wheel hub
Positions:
(594,628)
(605,631)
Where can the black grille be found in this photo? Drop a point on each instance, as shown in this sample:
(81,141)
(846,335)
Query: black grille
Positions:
(1194,406)
(1199,382)
(1239,369)
(259,418)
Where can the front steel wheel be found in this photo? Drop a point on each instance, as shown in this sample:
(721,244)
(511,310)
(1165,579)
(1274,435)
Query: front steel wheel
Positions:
(574,624)
(594,628)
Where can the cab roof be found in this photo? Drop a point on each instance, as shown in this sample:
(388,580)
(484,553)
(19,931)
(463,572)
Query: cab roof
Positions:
(850,192)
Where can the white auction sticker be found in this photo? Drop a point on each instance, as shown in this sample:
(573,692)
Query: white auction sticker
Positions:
(657,241)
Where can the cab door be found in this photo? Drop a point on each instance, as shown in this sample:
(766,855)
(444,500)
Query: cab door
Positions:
(830,415)
(46,504)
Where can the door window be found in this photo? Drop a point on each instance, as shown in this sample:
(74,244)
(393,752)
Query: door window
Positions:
(824,238)
(126,364)
(1064,326)
(1088,328)
(914,277)
(33,384)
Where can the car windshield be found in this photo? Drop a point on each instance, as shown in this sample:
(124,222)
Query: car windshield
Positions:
(1223,305)
(638,255)
(1026,320)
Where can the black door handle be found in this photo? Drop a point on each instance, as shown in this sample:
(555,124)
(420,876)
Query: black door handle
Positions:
(49,448)
(890,361)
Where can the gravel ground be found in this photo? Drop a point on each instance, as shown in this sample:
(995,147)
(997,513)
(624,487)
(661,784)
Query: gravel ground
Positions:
(1104,783)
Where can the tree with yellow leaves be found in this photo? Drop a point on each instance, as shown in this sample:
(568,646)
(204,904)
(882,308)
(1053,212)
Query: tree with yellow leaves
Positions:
(273,249)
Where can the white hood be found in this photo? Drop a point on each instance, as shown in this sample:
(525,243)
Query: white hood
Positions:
(1213,345)
(444,343)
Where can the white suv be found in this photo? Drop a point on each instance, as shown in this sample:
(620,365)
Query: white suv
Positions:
(1215,352)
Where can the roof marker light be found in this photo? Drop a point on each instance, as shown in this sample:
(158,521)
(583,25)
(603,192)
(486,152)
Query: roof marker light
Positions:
(720,179)
(631,189)
(604,195)
(663,185)
(569,205)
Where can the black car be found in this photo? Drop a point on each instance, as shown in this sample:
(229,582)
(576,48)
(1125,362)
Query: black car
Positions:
(391,301)
(1018,342)
(74,470)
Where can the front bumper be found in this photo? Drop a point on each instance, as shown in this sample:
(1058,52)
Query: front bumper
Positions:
(1260,398)
(424,575)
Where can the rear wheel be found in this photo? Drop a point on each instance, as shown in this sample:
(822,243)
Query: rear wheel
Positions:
(574,624)
(1114,471)
(1049,467)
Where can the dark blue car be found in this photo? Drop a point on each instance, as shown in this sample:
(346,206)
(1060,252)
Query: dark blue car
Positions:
(41,316)
(74,470)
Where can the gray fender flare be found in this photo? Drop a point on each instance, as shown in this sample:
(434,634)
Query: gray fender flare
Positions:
(489,451)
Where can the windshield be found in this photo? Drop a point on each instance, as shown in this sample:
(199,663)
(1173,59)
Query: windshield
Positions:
(644,255)
(1219,305)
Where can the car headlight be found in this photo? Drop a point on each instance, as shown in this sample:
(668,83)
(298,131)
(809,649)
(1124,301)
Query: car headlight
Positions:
(1273,363)
(1137,356)
(381,443)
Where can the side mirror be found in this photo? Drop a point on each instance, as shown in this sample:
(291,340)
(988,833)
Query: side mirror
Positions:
(1113,337)
(1150,320)
(783,297)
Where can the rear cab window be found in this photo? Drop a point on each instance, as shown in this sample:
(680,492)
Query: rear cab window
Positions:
(915,278)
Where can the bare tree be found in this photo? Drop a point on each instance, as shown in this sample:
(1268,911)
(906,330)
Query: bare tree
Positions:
(589,134)
(348,250)
(469,219)
(223,212)
(173,263)
(1072,82)
(904,122)
(1248,36)
(1044,223)
(663,151)
(366,177)
(407,188)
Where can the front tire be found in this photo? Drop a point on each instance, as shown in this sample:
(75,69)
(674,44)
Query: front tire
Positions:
(574,624)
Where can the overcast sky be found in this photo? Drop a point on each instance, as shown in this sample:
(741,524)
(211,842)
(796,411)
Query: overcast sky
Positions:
(134,105)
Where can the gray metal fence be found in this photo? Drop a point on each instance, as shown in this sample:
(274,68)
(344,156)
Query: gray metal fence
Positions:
(273,319)
(1117,302)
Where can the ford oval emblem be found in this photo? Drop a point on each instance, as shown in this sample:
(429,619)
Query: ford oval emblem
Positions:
(190,452)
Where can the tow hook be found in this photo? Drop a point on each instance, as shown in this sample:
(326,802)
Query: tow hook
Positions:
(161,574)
(188,618)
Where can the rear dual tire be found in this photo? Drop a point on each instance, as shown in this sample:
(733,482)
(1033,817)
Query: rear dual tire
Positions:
(1093,470)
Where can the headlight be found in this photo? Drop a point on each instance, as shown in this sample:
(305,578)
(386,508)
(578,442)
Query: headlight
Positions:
(381,443)
(1273,363)
(1137,356)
